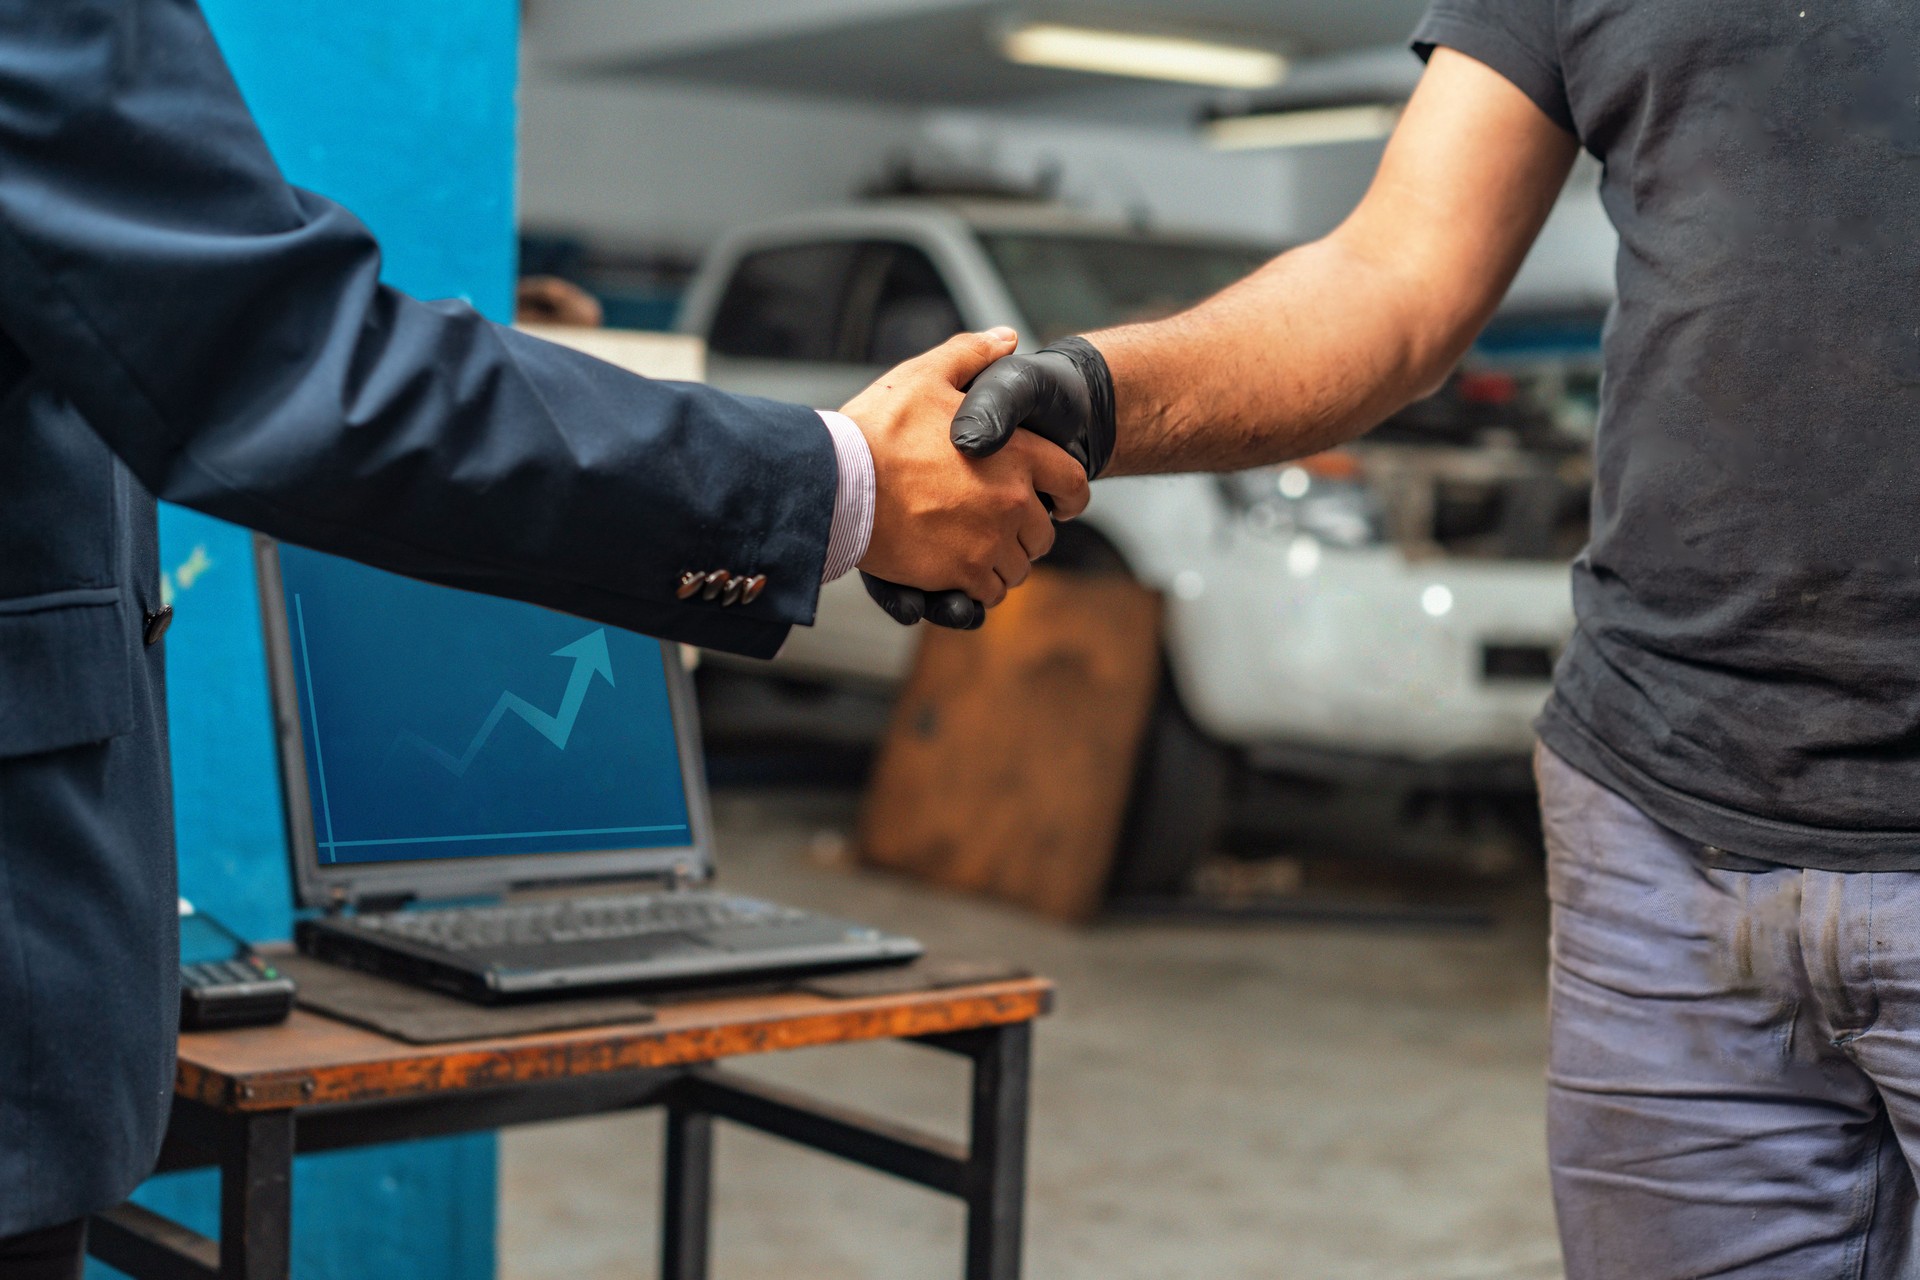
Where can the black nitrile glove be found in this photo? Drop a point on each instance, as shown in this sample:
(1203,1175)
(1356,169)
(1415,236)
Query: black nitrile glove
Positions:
(955,610)
(1062,393)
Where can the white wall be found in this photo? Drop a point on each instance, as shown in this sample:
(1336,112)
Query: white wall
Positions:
(1163,174)
(671,168)
(598,30)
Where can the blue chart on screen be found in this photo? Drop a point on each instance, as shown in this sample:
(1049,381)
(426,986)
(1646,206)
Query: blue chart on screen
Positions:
(441,724)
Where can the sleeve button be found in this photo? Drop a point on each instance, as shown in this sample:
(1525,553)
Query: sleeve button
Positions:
(155,624)
(690,582)
(716,583)
(755,585)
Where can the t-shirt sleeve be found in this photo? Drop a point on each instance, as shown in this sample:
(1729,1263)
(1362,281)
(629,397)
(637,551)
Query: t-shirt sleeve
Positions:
(1517,38)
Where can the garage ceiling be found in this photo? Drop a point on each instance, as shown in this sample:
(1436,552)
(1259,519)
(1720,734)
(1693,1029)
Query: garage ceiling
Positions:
(947,54)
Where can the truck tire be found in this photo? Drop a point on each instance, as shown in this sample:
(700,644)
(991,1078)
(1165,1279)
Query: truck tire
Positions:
(1178,811)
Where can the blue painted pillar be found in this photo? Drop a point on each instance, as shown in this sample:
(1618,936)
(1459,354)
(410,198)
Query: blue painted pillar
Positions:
(402,110)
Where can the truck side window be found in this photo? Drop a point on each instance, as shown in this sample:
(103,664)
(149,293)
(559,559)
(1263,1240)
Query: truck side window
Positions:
(784,304)
(898,306)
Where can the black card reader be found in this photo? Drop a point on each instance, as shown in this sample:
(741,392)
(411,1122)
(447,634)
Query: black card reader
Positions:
(223,981)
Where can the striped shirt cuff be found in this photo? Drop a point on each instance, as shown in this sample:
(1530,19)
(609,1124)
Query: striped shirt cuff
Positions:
(852,500)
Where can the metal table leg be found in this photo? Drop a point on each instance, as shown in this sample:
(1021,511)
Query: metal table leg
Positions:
(990,1175)
(996,1182)
(687,1204)
(256,1196)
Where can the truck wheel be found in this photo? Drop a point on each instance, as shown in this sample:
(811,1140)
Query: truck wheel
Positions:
(1178,811)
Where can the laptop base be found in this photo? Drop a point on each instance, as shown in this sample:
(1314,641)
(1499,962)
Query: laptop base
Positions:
(554,948)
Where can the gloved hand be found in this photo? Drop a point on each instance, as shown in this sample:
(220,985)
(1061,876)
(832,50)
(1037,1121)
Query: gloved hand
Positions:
(955,610)
(1063,393)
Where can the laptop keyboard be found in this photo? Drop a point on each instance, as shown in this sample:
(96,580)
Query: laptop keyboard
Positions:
(575,920)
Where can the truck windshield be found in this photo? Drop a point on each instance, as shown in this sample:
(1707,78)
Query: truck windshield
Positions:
(1068,284)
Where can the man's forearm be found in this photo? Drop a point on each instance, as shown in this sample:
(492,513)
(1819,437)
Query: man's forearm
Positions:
(1312,350)
(1324,342)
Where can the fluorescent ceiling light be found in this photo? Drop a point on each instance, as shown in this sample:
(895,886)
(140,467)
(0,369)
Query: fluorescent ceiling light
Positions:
(1144,57)
(1313,128)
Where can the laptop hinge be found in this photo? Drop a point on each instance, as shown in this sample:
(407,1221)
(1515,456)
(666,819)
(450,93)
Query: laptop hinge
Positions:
(340,901)
(682,875)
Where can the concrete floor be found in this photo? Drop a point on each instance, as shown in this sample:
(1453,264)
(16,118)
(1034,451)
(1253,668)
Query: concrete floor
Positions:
(1232,1102)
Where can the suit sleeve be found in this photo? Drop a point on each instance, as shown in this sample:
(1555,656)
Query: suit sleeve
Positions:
(228,336)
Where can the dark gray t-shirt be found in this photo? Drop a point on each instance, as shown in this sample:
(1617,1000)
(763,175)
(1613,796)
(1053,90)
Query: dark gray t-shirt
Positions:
(1746,666)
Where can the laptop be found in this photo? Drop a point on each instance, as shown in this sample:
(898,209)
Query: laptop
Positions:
(504,802)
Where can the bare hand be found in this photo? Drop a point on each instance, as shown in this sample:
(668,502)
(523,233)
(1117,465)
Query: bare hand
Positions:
(943,521)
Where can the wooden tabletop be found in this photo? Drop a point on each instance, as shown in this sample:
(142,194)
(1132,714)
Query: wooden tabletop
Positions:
(311,1060)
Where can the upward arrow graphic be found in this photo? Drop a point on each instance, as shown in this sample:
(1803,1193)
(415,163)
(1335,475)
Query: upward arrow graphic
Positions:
(590,659)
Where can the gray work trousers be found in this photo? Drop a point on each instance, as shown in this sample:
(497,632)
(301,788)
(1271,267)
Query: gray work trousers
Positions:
(1734,1086)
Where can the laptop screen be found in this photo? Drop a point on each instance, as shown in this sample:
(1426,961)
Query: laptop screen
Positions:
(440,724)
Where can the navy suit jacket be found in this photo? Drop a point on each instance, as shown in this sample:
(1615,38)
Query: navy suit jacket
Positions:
(177,320)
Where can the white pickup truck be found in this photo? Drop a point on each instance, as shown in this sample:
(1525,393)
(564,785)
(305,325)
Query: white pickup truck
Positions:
(1392,610)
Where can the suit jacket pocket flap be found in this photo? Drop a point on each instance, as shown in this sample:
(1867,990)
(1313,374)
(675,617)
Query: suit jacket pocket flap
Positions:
(66,672)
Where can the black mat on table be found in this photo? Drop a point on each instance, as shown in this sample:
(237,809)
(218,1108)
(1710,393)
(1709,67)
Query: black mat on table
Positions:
(930,973)
(420,1016)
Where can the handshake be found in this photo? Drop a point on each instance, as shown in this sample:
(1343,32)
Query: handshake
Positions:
(960,516)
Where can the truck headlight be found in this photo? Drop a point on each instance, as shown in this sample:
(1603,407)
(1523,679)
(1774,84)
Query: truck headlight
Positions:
(1322,498)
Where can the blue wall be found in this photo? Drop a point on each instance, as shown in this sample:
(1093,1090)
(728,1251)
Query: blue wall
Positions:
(403,110)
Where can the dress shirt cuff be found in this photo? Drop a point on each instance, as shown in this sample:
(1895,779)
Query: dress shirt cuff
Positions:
(853,500)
